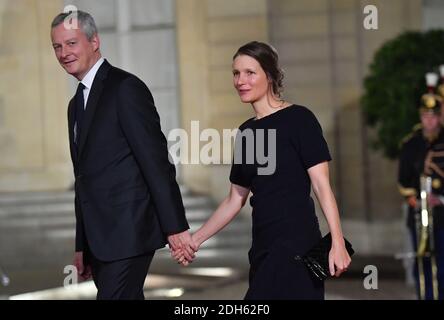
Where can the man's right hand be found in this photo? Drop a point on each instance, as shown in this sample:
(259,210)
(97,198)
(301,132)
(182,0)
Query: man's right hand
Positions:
(84,271)
(412,201)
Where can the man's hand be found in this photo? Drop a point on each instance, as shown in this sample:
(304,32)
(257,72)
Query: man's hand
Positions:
(412,201)
(83,271)
(182,246)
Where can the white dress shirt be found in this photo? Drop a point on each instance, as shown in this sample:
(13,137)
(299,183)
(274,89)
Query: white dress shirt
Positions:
(88,79)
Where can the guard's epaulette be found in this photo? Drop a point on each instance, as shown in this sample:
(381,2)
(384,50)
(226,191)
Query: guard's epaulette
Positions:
(407,138)
(416,130)
(417,127)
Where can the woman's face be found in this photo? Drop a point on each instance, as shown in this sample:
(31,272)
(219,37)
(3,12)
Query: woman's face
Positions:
(249,79)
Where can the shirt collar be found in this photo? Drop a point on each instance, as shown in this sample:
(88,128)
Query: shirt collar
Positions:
(89,77)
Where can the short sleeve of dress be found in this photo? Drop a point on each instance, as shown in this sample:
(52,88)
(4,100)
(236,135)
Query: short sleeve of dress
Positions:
(308,139)
(238,174)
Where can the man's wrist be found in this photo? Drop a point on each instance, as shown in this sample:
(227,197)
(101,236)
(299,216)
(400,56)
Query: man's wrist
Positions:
(172,233)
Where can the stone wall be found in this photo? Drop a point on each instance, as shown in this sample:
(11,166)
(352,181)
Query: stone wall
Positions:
(33,100)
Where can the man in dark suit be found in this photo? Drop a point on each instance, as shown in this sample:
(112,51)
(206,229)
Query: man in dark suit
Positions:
(127,201)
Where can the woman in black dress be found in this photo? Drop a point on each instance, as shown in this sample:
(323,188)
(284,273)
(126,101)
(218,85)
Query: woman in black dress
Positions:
(284,219)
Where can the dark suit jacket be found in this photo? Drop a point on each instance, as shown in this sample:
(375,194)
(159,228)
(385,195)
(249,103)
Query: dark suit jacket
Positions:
(127,198)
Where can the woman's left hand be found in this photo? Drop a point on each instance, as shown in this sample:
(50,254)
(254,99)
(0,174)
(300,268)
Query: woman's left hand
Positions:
(338,259)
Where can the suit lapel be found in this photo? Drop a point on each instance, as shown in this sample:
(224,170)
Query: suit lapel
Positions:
(91,105)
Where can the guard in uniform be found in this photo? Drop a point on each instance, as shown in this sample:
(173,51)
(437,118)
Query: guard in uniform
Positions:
(440,90)
(422,156)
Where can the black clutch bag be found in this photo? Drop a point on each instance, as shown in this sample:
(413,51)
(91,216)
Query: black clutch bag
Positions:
(316,259)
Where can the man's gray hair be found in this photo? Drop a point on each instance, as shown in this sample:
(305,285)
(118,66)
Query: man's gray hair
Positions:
(85,20)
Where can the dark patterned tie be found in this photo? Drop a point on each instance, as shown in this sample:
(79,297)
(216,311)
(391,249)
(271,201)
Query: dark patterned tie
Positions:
(79,111)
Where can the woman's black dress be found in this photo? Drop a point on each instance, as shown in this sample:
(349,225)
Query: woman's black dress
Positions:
(284,219)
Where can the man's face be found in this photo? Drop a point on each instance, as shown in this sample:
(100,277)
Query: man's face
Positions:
(75,53)
(430,121)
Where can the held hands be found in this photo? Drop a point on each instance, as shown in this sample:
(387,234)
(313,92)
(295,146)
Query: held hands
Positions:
(339,259)
(182,247)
